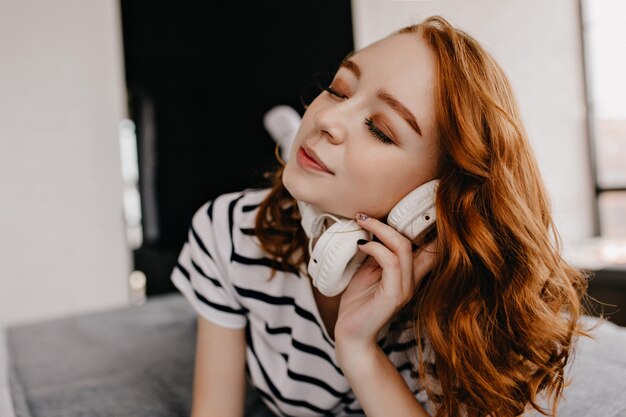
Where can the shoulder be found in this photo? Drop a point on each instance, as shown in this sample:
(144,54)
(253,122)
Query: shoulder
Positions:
(220,236)
(227,221)
(230,207)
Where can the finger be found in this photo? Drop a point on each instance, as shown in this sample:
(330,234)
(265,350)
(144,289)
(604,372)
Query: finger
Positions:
(423,261)
(393,240)
(368,273)
(370,262)
(391,279)
(387,235)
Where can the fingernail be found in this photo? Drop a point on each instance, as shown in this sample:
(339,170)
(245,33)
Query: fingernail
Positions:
(362,241)
(361,216)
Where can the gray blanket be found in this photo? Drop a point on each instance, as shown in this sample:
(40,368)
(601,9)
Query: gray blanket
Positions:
(138,361)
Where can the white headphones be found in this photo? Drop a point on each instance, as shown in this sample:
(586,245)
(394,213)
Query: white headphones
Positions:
(336,257)
(416,211)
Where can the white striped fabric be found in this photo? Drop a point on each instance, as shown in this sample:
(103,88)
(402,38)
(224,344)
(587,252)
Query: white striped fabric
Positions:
(224,273)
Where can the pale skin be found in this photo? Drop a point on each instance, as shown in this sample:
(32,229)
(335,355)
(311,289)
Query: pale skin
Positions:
(365,175)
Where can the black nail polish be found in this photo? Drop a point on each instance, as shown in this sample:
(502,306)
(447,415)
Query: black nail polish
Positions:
(361,241)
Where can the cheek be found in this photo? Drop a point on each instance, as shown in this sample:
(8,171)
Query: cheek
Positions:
(290,179)
(297,141)
(371,166)
(373,181)
(378,181)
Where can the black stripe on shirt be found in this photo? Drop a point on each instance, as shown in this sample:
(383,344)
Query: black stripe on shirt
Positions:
(272,387)
(201,297)
(209,210)
(404,367)
(312,350)
(316,352)
(231,216)
(267,262)
(278,330)
(264,261)
(214,281)
(248,231)
(249,207)
(220,307)
(182,270)
(429,368)
(284,300)
(200,242)
(342,396)
(349,410)
(269,398)
(400,347)
(320,384)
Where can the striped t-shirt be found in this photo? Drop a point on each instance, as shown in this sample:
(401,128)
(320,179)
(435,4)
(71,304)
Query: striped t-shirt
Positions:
(223,272)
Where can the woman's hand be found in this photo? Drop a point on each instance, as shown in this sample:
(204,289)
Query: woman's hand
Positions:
(380,288)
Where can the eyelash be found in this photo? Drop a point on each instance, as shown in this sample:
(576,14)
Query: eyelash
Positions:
(375,131)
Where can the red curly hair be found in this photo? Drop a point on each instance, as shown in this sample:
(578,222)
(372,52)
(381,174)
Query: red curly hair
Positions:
(501,307)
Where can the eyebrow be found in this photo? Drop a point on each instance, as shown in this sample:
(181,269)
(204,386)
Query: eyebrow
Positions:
(385,96)
(352,67)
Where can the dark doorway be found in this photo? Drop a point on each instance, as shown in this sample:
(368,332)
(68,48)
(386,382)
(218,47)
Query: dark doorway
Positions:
(200,78)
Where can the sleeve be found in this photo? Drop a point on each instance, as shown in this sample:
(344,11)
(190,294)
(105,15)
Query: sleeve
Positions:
(200,273)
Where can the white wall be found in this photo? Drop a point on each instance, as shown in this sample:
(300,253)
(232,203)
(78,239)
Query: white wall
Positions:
(62,94)
(538,43)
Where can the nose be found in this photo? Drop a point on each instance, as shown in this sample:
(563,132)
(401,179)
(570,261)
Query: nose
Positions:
(332,123)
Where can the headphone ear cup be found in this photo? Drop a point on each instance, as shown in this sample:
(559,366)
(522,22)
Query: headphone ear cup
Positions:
(336,257)
(415,211)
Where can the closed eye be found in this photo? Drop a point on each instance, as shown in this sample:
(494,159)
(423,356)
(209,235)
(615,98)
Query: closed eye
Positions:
(335,93)
(378,134)
(369,121)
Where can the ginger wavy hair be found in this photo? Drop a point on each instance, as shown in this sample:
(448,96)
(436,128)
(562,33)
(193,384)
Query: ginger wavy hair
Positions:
(501,307)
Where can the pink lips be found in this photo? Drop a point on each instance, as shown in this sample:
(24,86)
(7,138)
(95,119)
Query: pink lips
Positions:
(307,159)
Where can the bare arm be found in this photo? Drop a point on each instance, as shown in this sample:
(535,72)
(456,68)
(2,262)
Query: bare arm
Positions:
(219,375)
(383,284)
(365,370)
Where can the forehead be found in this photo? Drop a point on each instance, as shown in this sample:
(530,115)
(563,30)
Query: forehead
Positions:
(404,65)
(406,56)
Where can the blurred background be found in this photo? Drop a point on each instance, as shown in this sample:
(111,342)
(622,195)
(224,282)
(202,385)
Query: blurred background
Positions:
(118,119)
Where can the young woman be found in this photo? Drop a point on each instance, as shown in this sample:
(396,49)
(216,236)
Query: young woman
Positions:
(477,316)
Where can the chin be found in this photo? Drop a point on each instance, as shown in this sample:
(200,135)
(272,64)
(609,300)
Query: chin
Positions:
(300,192)
(303,191)
(298,188)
